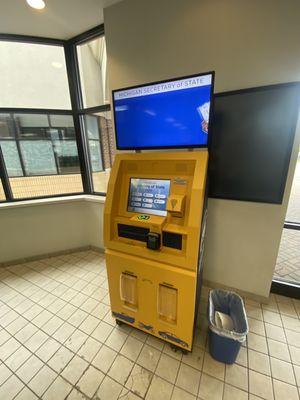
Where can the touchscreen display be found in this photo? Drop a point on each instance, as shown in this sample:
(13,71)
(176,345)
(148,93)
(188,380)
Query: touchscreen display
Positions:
(148,196)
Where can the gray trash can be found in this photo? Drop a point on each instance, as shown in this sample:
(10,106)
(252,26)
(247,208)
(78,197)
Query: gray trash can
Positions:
(224,345)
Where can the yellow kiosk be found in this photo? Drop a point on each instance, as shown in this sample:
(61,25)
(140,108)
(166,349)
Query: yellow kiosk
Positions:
(153,224)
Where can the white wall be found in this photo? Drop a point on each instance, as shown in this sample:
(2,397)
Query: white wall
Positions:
(34,230)
(247,43)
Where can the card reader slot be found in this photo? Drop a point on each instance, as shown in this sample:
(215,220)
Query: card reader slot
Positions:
(133,232)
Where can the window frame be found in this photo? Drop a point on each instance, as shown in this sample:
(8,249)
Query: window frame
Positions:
(77,111)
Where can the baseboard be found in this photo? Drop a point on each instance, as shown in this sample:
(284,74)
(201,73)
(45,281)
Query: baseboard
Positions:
(47,255)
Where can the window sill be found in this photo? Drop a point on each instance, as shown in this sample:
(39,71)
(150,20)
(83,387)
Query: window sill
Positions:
(54,200)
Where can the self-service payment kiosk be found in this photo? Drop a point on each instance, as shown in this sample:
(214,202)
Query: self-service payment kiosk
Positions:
(152,252)
(154,209)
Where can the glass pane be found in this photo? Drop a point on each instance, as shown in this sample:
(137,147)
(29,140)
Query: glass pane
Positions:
(98,128)
(6,126)
(92,127)
(33,76)
(293,211)
(38,157)
(95,154)
(58,121)
(92,62)
(11,157)
(31,125)
(67,156)
(288,261)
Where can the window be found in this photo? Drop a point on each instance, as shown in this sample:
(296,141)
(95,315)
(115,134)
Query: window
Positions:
(40,154)
(48,147)
(92,68)
(33,76)
(98,132)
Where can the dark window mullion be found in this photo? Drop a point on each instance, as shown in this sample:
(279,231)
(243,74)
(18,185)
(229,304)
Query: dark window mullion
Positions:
(76,101)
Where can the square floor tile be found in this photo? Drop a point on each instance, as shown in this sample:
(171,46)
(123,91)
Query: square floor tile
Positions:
(60,359)
(10,388)
(259,362)
(126,394)
(8,348)
(260,385)
(279,350)
(179,394)
(167,368)
(26,394)
(275,332)
(284,391)
(293,337)
(18,358)
(236,375)
(76,340)
(90,381)
(149,357)
(36,341)
(59,389)
(102,331)
(272,318)
(42,380)
(159,390)
(5,373)
(74,370)
(213,367)
(282,371)
(210,388)
(89,324)
(139,380)
(121,369)
(131,348)
(188,379)
(295,354)
(116,339)
(195,358)
(89,349)
(233,393)
(257,342)
(109,389)
(29,369)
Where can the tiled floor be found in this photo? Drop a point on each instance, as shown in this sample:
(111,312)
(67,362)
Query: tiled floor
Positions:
(58,340)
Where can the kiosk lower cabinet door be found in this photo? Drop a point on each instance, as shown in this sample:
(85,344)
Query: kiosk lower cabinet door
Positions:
(167,303)
(128,290)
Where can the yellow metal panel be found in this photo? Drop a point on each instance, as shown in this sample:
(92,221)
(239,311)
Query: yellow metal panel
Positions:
(155,290)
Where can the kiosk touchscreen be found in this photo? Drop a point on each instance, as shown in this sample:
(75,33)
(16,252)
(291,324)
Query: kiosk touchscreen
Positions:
(148,196)
(154,213)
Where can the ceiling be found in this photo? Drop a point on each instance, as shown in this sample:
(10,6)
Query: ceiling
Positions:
(60,19)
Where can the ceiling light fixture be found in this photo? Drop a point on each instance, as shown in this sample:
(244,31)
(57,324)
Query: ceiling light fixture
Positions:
(37,4)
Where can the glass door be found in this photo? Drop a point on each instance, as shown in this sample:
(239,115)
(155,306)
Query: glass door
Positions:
(287,268)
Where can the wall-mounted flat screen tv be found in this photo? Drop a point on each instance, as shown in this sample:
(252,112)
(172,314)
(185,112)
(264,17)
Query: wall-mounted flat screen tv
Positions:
(169,114)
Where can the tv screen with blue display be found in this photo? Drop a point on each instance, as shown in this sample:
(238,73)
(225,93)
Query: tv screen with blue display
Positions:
(170,114)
